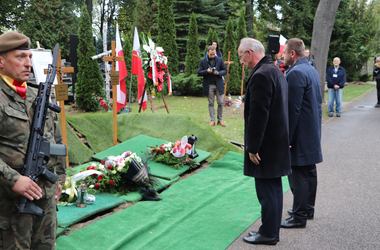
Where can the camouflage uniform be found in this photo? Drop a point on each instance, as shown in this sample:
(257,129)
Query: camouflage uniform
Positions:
(25,231)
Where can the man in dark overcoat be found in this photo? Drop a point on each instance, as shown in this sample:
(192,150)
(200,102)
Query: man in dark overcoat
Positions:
(305,121)
(212,69)
(266,137)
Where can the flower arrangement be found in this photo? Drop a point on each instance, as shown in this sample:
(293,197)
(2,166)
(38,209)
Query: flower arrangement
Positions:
(104,104)
(154,64)
(106,176)
(174,155)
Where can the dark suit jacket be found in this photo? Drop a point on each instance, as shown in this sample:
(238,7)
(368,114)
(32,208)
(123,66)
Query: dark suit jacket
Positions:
(266,121)
(220,67)
(305,113)
(339,80)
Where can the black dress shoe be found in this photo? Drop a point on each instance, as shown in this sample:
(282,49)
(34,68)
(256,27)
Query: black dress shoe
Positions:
(309,216)
(292,223)
(259,239)
(253,233)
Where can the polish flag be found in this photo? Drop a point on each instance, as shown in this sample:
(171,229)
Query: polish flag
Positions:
(282,44)
(120,66)
(137,70)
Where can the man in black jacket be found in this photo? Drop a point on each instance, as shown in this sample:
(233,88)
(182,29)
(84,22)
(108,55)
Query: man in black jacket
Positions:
(266,137)
(376,74)
(212,69)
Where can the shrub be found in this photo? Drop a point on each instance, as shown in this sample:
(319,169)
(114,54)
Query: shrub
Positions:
(191,85)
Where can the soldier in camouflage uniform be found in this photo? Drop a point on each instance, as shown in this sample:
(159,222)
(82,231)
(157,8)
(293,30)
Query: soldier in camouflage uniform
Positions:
(24,231)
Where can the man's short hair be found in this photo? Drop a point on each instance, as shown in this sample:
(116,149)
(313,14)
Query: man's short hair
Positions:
(252,44)
(297,45)
(337,58)
(211,47)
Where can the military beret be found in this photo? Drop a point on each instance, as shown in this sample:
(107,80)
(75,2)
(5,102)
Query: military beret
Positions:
(13,40)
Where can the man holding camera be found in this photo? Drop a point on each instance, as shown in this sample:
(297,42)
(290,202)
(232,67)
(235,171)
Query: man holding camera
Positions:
(212,69)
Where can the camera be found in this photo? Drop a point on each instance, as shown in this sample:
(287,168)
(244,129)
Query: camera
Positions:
(213,70)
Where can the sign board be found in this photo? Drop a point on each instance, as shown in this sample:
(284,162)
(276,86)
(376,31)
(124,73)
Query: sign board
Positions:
(40,61)
(61,92)
(114,77)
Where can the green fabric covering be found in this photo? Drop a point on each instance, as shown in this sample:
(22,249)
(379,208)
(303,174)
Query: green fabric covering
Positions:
(138,145)
(69,215)
(208,210)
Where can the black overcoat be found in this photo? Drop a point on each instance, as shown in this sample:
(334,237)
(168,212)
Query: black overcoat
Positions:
(266,128)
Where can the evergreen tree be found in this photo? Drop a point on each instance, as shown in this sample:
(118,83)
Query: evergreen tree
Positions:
(146,17)
(352,33)
(167,34)
(241,30)
(90,79)
(208,13)
(215,37)
(234,85)
(50,22)
(209,38)
(192,58)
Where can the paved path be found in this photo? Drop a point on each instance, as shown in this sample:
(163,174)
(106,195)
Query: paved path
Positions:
(347,212)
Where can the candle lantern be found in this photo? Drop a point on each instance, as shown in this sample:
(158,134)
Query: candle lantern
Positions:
(82,196)
(192,140)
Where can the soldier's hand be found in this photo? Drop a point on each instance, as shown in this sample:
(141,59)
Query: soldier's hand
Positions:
(209,70)
(58,193)
(26,187)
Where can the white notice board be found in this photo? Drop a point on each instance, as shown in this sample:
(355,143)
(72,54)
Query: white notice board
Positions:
(40,61)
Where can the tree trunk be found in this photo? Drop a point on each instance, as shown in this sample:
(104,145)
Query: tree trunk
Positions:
(249,18)
(322,30)
(89,9)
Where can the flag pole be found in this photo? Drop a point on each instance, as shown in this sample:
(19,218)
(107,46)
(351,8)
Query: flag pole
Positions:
(130,93)
(142,98)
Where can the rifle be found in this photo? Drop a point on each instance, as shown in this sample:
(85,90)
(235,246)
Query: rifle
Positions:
(39,149)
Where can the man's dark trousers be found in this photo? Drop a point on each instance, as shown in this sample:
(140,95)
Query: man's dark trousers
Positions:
(303,183)
(270,195)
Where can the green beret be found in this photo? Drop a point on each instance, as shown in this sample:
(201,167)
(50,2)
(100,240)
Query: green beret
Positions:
(12,40)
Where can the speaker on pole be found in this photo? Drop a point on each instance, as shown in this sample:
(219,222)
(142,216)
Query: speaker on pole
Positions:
(74,41)
(273,42)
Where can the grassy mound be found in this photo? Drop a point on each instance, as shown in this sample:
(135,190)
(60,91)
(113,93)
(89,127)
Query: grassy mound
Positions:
(97,128)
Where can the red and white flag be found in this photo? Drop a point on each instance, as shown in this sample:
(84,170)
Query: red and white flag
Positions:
(282,44)
(137,70)
(120,66)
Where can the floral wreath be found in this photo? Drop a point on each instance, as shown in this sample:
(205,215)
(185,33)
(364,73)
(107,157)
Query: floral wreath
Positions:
(156,71)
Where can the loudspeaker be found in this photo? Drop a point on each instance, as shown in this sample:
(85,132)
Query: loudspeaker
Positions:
(273,42)
(74,41)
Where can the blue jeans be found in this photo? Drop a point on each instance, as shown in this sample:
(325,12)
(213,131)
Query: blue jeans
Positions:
(336,95)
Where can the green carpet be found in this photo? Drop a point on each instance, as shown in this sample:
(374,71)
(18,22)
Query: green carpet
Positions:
(138,145)
(208,210)
(69,215)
